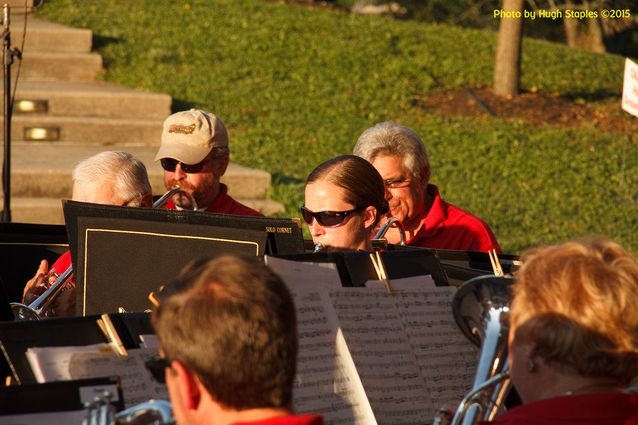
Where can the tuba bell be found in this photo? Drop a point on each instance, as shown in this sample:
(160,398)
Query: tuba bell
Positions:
(481,309)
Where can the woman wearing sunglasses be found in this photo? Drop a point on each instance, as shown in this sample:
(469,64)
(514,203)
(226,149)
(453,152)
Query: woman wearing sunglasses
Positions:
(344,200)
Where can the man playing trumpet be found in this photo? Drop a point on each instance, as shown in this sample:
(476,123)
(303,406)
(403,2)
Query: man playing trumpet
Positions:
(110,178)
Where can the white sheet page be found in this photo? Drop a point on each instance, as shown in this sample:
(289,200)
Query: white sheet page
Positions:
(446,357)
(138,385)
(383,356)
(299,272)
(52,363)
(327,382)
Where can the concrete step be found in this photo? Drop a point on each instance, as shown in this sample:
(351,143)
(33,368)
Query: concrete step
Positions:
(59,66)
(19,5)
(44,170)
(94,99)
(49,210)
(91,130)
(47,36)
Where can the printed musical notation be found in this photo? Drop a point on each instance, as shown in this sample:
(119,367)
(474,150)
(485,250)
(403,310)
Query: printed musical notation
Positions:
(367,356)
(137,384)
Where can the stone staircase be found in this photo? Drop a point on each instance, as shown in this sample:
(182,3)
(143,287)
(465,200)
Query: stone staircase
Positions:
(63,115)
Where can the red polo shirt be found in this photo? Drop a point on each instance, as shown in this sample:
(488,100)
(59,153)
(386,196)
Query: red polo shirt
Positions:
(589,409)
(224,204)
(288,420)
(448,227)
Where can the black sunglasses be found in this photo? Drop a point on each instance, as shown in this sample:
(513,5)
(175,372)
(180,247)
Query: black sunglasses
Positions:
(327,218)
(170,164)
(157,366)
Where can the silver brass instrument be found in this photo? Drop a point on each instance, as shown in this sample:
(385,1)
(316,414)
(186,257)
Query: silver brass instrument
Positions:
(163,200)
(392,222)
(36,310)
(152,412)
(481,309)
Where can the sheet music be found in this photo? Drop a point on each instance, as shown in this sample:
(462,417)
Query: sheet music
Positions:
(137,383)
(383,355)
(52,363)
(327,382)
(300,272)
(446,358)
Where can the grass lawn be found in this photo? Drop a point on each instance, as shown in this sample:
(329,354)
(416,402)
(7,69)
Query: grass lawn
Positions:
(297,85)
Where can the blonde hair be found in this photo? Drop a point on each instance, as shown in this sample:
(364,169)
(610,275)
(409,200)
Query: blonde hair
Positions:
(577,303)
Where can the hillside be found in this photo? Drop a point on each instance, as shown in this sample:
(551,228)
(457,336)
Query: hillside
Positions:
(297,85)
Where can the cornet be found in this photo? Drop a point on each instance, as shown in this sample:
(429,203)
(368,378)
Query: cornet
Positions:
(36,310)
(163,200)
(392,222)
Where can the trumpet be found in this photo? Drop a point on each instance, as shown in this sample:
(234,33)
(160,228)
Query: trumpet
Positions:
(392,222)
(37,309)
(163,200)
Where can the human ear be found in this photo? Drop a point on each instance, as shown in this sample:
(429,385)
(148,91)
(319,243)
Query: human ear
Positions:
(187,385)
(369,217)
(220,165)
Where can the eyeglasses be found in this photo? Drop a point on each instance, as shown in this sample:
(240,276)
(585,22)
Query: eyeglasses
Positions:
(170,164)
(397,183)
(327,218)
(157,366)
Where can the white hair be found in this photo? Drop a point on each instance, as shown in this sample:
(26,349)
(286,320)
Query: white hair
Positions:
(389,138)
(122,171)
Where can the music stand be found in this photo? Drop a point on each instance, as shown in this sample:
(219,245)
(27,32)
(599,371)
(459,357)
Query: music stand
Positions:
(355,267)
(61,396)
(122,254)
(17,337)
(22,247)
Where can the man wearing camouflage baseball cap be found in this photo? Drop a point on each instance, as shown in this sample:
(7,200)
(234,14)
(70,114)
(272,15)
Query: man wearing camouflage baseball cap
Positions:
(194,154)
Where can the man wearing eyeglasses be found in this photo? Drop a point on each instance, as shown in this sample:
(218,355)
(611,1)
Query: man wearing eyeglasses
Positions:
(430,222)
(228,336)
(194,154)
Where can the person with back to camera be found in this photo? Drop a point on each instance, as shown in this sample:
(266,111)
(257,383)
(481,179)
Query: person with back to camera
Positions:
(344,200)
(110,178)
(573,342)
(228,336)
(429,222)
(194,154)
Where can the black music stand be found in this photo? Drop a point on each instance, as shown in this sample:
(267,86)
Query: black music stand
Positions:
(22,247)
(122,254)
(355,267)
(17,337)
(61,396)
(461,266)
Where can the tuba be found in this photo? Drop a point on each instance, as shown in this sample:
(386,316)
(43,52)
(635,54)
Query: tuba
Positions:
(481,309)
(37,309)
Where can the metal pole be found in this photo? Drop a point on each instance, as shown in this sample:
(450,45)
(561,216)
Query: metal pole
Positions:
(6,170)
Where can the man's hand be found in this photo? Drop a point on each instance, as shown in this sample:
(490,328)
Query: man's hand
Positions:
(64,302)
(36,286)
